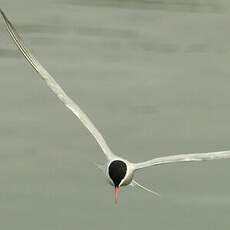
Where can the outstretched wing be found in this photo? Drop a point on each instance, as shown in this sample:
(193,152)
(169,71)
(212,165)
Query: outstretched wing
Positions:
(184,158)
(53,85)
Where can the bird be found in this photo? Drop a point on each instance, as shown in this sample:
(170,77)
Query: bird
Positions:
(117,170)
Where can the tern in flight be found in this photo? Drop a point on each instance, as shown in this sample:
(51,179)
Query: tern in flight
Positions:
(118,171)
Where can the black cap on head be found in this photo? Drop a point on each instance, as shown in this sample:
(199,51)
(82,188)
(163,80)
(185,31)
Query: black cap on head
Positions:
(117,171)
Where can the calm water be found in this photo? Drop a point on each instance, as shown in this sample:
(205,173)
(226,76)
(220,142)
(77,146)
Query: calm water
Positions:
(154,78)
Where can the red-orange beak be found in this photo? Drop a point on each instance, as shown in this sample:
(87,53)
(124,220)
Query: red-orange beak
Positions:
(116,194)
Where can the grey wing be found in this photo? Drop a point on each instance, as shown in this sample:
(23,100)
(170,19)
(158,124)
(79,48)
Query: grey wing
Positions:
(53,85)
(183,158)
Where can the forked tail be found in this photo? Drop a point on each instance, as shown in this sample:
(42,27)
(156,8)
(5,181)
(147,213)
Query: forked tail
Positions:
(134,183)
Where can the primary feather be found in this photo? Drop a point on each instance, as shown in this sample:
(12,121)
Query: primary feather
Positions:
(54,86)
(184,158)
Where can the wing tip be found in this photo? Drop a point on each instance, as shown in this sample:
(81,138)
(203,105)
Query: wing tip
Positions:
(1,12)
(3,15)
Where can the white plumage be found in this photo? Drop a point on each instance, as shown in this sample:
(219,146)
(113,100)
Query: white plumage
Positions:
(128,167)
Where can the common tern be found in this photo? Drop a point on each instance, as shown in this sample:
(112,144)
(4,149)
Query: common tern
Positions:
(118,171)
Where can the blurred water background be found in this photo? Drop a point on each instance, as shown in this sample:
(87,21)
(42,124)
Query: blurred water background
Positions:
(154,78)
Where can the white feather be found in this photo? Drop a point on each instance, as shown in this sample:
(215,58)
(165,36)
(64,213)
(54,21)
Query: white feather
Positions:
(54,86)
(183,158)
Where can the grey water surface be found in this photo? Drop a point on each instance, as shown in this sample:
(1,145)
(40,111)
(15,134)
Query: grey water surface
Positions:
(154,77)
